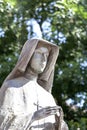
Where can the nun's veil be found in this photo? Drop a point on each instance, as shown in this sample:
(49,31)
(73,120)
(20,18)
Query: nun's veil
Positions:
(46,78)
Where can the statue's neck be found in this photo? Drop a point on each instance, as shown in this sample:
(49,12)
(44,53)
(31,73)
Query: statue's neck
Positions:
(29,74)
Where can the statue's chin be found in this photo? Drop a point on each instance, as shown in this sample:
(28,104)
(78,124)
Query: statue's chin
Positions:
(38,71)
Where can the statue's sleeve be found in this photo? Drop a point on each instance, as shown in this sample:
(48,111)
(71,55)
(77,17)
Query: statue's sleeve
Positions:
(11,116)
(6,112)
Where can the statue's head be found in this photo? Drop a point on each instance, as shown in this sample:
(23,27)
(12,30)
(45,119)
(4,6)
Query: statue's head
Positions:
(41,56)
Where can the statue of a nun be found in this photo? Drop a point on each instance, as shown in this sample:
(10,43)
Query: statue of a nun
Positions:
(26,102)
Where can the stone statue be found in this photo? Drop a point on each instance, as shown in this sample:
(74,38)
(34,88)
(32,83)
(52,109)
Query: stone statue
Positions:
(26,102)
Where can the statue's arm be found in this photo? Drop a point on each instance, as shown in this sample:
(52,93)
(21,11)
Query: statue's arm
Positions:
(7,121)
(6,112)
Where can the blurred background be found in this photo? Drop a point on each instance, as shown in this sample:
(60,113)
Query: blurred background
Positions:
(63,22)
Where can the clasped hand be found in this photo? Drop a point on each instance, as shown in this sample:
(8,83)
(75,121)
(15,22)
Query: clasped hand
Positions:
(47,111)
(43,113)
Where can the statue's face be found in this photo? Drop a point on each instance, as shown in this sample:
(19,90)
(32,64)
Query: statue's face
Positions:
(39,59)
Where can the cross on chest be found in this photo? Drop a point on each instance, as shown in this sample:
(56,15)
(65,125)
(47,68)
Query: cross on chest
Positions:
(38,106)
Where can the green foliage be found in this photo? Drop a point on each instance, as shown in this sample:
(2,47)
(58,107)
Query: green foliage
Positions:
(66,22)
(82,124)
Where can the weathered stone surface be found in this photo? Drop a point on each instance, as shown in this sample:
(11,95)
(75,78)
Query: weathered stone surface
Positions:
(25,99)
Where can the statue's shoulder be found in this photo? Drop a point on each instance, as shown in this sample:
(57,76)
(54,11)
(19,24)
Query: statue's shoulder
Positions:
(5,88)
(9,83)
(15,83)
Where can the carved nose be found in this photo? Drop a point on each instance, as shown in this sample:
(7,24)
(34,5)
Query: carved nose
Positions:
(44,57)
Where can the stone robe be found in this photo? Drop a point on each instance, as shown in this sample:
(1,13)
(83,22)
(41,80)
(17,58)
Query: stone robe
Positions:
(21,100)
